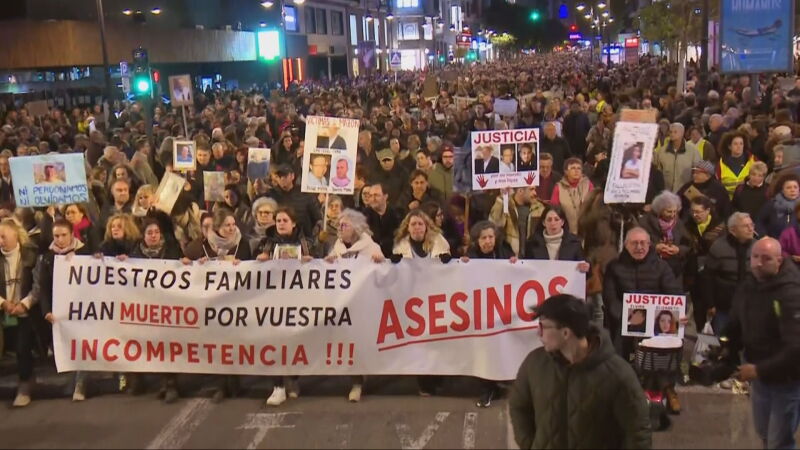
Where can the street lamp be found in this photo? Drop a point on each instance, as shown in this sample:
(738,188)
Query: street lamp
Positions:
(599,20)
(267,4)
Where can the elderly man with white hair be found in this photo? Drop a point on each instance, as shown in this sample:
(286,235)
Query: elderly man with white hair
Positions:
(676,160)
(716,127)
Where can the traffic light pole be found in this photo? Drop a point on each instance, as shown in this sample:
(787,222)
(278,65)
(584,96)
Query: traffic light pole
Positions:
(106,69)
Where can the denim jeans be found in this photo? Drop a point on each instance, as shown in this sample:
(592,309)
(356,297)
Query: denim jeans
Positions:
(776,412)
(720,321)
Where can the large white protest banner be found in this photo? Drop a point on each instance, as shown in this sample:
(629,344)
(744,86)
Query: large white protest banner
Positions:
(631,159)
(505,158)
(49,179)
(352,317)
(648,315)
(329,156)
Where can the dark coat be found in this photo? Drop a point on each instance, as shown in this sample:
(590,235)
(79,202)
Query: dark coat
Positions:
(771,220)
(576,128)
(267,245)
(652,275)
(170,250)
(44,277)
(27,264)
(765,323)
(680,237)
(596,403)
(493,166)
(749,199)
(712,189)
(558,148)
(384,227)
(570,249)
(727,264)
(501,251)
(305,206)
(113,247)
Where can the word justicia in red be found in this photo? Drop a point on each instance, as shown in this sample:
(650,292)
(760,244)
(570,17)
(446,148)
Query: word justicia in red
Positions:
(654,299)
(504,137)
(461,312)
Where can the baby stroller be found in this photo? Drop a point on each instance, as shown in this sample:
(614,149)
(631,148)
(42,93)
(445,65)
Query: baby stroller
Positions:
(658,364)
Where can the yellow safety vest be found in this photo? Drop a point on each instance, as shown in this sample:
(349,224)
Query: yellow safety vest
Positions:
(729,179)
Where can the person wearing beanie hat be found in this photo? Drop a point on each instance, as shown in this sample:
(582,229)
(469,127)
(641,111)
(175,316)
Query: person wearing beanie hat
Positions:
(704,182)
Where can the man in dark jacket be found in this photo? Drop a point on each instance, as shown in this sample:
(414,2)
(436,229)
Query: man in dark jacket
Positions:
(765,323)
(390,175)
(305,206)
(382,219)
(704,181)
(726,266)
(576,128)
(574,391)
(638,269)
(554,145)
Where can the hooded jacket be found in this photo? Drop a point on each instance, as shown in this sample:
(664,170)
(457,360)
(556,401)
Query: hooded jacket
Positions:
(596,403)
(765,323)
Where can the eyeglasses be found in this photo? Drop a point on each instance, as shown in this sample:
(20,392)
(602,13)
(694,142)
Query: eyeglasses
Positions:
(266,212)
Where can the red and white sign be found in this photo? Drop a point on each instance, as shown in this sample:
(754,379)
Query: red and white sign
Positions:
(353,317)
(631,42)
(505,158)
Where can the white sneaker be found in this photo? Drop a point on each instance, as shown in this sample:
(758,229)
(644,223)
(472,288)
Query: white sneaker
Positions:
(727,384)
(278,397)
(21,400)
(292,387)
(80,393)
(355,393)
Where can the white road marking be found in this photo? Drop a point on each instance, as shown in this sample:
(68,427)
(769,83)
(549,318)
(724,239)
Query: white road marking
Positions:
(470,419)
(510,442)
(409,443)
(180,428)
(262,423)
(345,432)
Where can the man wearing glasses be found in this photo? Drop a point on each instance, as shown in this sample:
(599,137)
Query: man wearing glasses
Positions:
(575,391)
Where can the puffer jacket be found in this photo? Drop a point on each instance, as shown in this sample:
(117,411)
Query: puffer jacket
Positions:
(652,275)
(596,403)
(680,238)
(676,165)
(727,264)
(765,323)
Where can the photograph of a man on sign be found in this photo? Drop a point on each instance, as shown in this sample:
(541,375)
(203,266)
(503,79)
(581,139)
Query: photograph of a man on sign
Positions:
(180,88)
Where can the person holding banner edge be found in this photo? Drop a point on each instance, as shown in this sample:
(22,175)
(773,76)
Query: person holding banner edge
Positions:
(285,233)
(354,240)
(487,243)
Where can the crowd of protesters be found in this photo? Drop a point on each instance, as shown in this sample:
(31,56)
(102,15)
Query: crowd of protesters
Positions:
(726,171)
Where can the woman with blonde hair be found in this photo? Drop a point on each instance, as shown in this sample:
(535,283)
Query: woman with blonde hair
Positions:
(418,237)
(145,199)
(17,262)
(120,238)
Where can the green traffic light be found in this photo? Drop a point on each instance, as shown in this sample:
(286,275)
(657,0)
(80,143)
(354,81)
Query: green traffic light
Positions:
(143,86)
(535,16)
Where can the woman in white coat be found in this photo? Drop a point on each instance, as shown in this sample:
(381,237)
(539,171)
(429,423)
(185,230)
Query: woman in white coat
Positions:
(354,240)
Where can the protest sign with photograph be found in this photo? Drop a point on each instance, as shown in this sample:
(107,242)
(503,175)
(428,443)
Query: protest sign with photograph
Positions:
(49,179)
(287,251)
(183,155)
(180,88)
(168,191)
(648,315)
(329,155)
(257,163)
(213,186)
(505,158)
(506,107)
(37,108)
(631,159)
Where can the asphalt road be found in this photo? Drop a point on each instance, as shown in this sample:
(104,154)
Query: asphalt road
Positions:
(390,415)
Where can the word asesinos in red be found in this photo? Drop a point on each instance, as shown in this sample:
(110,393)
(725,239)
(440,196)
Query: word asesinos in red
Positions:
(485,309)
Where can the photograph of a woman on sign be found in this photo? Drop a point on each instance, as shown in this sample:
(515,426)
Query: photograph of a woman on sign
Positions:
(665,324)
(632,162)
(507,157)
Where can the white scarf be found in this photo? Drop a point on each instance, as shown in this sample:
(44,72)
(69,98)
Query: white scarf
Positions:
(553,243)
